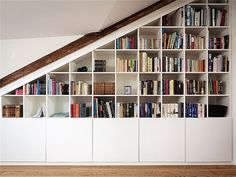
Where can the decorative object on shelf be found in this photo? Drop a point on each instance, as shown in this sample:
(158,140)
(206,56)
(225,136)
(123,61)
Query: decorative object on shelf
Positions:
(127,90)
(40,113)
(60,114)
(217,110)
(82,69)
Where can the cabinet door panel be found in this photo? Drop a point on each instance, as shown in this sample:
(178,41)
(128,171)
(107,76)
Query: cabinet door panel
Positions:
(115,140)
(23,139)
(208,140)
(69,140)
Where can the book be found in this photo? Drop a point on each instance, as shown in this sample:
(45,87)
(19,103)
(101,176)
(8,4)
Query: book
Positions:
(13,111)
(128,42)
(172,110)
(195,110)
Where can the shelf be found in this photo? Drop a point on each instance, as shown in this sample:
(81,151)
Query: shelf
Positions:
(59,73)
(219,95)
(81,72)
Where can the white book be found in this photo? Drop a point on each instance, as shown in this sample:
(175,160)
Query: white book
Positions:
(109,109)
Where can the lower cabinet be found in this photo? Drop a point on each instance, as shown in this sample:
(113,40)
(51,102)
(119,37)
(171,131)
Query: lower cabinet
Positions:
(69,140)
(162,140)
(115,140)
(209,140)
(23,140)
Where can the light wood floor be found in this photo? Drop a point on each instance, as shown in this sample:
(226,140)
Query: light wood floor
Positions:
(118,171)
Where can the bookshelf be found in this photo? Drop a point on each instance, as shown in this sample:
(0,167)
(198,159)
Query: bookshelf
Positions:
(162,85)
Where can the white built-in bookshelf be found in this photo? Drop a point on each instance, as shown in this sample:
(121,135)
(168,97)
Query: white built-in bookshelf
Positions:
(171,63)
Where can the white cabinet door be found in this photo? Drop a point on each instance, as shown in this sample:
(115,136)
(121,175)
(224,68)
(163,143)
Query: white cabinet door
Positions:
(208,140)
(162,140)
(69,140)
(0,137)
(115,140)
(23,139)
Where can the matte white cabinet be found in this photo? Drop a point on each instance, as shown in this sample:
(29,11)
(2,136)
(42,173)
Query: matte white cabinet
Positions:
(162,140)
(69,140)
(23,140)
(209,140)
(115,140)
(0,139)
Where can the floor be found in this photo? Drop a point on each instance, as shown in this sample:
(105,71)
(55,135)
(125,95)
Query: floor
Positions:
(118,171)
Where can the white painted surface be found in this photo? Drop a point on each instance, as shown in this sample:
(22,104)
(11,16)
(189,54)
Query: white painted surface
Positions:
(115,140)
(17,53)
(162,140)
(69,140)
(208,140)
(23,140)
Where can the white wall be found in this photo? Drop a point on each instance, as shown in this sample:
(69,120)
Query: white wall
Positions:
(16,53)
(234,73)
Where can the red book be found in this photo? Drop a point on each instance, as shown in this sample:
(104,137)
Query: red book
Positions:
(167,87)
(77,110)
(35,88)
(71,110)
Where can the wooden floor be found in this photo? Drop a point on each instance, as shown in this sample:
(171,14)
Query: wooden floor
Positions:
(118,171)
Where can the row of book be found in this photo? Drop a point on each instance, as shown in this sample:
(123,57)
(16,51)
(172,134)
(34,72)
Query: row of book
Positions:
(172,41)
(219,42)
(195,87)
(172,87)
(195,42)
(195,16)
(126,65)
(172,110)
(217,17)
(195,110)
(215,86)
(81,110)
(104,88)
(150,43)
(13,111)
(81,88)
(151,110)
(36,88)
(103,108)
(149,64)
(173,19)
(127,109)
(218,63)
(195,65)
(57,87)
(170,64)
(100,65)
(126,42)
(150,87)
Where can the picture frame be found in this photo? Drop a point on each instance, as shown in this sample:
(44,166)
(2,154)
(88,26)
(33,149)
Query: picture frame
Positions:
(127,90)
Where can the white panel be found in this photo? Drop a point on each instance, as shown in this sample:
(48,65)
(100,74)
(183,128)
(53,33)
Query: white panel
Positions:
(69,140)
(208,140)
(162,140)
(23,140)
(0,137)
(115,140)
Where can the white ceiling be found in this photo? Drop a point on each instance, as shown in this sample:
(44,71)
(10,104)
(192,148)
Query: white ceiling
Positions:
(49,18)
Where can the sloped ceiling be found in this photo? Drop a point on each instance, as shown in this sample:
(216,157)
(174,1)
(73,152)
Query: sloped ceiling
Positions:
(49,18)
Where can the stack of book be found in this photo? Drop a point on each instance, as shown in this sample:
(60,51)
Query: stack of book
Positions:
(195,42)
(195,17)
(126,42)
(149,64)
(218,63)
(195,110)
(215,86)
(170,64)
(172,87)
(57,87)
(150,43)
(195,87)
(195,65)
(217,17)
(175,19)
(81,88)
(103,108)
(150,87)
(12,111)
(81,110)
(126,65)
(127,110)
(104,88)
(100,66)
(19,91)
(151,110)
(219,42)
(37,88)
(172,41)
(173,110)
